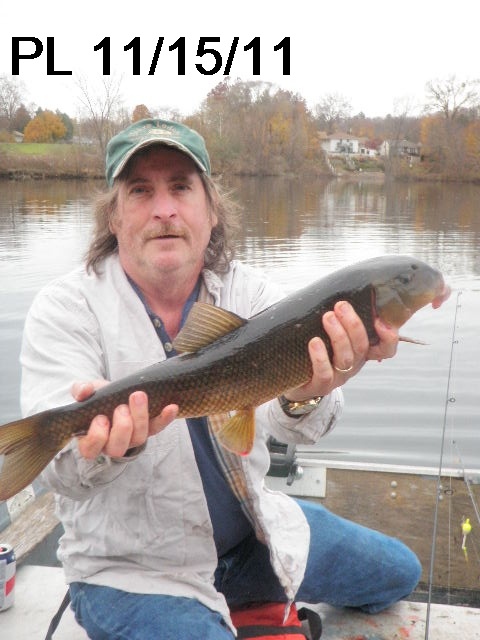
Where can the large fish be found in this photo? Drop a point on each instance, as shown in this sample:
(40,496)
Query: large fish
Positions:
(231,364)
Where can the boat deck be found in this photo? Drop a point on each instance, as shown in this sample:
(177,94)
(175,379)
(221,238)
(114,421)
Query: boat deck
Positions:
(40,590)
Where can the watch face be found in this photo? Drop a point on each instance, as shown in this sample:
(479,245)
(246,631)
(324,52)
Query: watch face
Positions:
(296,409)
(301,409)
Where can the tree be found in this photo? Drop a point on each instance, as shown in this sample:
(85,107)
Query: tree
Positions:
(140,113)
(472,145)
(20,119)
(11,97)
(444,145)
(45,127)
(68,123)
(451,96)
(253,127)
(165,112)
(448,140)
(332,109)
(102,106)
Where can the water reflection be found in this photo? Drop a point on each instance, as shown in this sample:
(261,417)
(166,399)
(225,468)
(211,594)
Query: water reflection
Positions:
(44,228)
(293,228)
(297,231)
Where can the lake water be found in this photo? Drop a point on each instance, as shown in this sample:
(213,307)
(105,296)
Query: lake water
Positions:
(298,231)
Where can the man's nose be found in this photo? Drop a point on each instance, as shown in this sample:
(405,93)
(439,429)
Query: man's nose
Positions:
(164,205)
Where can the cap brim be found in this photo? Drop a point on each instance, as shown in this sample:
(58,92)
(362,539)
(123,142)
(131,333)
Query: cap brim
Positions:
(148,142)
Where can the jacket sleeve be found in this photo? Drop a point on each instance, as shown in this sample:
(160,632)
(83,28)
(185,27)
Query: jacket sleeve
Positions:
(305,430)
(61,345)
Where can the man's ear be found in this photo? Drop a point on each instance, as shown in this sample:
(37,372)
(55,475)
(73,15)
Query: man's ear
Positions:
(112,223)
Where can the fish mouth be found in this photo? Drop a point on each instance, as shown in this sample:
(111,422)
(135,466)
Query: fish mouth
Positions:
(441,297)
(395,306)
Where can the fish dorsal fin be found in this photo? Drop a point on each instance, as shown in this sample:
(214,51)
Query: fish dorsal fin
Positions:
(205,324)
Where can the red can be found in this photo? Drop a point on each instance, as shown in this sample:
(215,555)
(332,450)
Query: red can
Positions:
(7,576)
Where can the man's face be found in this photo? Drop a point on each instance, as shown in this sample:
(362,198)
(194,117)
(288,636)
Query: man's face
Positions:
(163,222)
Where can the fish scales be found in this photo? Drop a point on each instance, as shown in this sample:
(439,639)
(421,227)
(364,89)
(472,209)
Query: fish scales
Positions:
(248,367)
(249,376)
(253,362)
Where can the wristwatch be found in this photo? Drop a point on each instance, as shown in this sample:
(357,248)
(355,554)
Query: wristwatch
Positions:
(298,409)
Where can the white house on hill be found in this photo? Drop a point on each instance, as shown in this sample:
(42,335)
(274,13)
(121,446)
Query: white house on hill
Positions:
(341,143)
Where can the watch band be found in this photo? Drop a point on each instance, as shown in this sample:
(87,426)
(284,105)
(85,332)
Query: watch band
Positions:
(298,409)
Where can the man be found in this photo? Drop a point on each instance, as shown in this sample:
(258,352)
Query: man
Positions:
(164,530)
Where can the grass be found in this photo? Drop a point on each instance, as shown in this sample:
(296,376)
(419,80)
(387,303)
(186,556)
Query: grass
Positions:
(37,148)
(44,160)
(368,163)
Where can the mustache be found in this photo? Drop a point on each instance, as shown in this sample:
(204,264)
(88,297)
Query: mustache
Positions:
(164,230)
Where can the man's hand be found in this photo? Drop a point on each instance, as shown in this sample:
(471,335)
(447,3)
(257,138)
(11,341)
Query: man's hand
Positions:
(130,426)
(351,350)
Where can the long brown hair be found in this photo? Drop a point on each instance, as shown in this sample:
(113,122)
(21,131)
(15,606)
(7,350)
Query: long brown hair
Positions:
(220,250)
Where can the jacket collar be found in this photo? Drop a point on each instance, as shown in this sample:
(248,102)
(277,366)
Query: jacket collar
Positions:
(213,284)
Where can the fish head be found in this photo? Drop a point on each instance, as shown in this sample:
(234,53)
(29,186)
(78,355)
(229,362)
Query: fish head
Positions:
(403,286)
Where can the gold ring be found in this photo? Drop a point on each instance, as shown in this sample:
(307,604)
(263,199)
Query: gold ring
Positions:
(343,370)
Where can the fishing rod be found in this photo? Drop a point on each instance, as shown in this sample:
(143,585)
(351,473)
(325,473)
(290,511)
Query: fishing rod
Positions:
(448,400)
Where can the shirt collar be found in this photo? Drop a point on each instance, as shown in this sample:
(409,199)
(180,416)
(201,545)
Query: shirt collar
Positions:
(157,321)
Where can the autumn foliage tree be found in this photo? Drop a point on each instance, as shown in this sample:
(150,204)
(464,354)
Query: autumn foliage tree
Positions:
(253,127)
(472,145)
(45,127)
(140,113)
(449,135)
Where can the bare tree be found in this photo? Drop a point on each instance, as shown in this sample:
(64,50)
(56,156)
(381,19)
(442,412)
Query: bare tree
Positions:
(451,96)
(397,125)
(332,109)
(11,97)
(166,113)
(103,108)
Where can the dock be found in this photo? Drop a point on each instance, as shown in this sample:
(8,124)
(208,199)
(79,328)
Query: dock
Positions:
(398,501)
(40,590)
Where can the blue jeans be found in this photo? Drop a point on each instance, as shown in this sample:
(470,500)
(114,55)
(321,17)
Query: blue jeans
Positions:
(348,566)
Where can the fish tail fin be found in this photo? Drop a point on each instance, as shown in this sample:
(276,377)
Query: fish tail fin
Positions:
(238,432)
(24,456)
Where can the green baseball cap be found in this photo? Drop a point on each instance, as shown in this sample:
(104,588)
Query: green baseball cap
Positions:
(144,133)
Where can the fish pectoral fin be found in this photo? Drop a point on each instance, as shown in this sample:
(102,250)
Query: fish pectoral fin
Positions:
(238,432)
(24,456)
(205,324)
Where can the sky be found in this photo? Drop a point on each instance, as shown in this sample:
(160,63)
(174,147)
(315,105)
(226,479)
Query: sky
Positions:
(378,54)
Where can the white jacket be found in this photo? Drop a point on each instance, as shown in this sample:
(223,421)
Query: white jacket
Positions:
(141,524)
